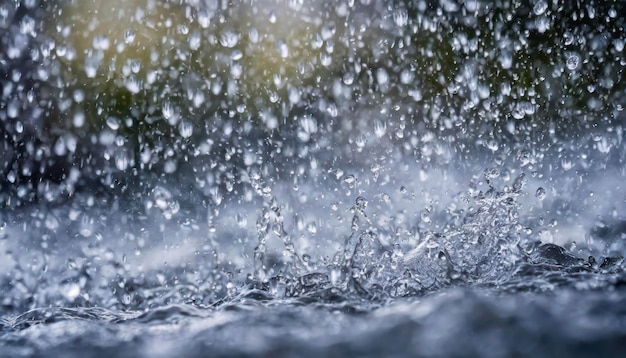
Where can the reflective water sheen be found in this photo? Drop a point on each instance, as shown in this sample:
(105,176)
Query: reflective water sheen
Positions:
(351,178)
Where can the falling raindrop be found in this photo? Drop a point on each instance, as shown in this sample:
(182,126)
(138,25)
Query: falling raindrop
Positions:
(133,85)
(283,49)
(326,59)
(27,26)
(573,61)
(229,38)
(113,123)
(328,31)
(13,110)
(540,193)
(401,17)
(186,129)
(122,160)
(101,42)
(380,128)
(360,141)
(135,66)
(129,36)
(236,55)
(78,120)
(382,77)
(540,7)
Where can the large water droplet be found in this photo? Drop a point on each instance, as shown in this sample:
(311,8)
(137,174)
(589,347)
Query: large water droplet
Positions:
(229,39)
(572,62)
(401,17)
(186,129)
(113,123)
(382,77)
(121,160)
(540,7)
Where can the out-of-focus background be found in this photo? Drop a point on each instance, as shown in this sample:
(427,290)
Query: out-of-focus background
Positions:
(96,94)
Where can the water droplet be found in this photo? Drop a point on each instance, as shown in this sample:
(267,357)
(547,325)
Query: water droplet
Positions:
(573,61)
(236,55)
(382,76)
(27,26)
(186,129)
(491,173)
(113,123)
(133,85)
(11,176)
(229,39)
(169,113)
(401,17)
(308,124)
(506,60)
(101,42)
(151,76)
(121,160)
(519,183)
(135,66)
(79,96)
(71,291)
(242,220)
(170,166)
(129,36)
(59,147)
(472,5)
(361,141)
(540,7)
(361,203)
(78,120)
(540,193)
(253,35)
(249,158)
(13,110)
(325,59)
(328,31)
(380,128)
(567,164)
(52,223)
(194,40)
(492,145)
(311,228)
(294,95)
(283,49)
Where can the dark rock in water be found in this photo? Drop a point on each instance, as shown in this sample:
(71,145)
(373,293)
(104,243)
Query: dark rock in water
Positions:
(611,264)
(555,254)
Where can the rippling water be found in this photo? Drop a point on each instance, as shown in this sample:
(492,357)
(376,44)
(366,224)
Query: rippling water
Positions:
(455,322)
(475,280)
